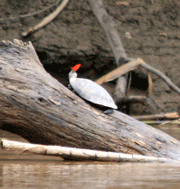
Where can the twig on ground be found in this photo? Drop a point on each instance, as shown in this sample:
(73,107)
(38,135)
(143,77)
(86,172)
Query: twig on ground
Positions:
(122,3)
(47,19)
(30,14)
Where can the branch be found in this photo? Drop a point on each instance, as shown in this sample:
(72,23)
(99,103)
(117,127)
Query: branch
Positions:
(173,115)
(133,65)
(78,154)
(47,19)
(30,14)
(119,71)
(162,76)
(120,56)
(108,25)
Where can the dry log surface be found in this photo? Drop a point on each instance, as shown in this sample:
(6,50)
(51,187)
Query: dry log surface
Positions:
(39,108)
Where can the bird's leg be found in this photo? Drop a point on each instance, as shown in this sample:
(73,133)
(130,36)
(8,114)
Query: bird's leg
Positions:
(69,87)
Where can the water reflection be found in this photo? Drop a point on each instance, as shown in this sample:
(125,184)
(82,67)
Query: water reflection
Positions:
(173,130)
(40,174)
(24,171)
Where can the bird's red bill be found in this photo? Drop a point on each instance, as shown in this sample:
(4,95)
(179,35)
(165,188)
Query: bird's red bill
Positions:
(76,67)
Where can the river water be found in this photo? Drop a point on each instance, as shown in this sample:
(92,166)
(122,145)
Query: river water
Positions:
(38,172)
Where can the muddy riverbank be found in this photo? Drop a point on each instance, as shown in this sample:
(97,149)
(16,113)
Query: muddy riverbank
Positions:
(148,31)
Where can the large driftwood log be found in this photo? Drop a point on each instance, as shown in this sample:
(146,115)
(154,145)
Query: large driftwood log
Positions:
(39,108)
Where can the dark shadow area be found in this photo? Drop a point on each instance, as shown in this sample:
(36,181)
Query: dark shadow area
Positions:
(92,67)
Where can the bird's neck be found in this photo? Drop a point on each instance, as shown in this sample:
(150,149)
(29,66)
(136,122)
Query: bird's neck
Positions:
(72,74)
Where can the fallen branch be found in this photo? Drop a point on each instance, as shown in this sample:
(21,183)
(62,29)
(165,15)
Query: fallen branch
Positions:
(133,65)
(77,153)
(107,23)
(122,3)
(119,71)
(162,76)
(163,122)
(120,56)
(173,115)
(174,122)
(30,14)
(47,19)
(138,99)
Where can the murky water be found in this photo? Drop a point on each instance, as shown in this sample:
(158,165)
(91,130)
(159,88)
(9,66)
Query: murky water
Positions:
(49,174)
(38,172)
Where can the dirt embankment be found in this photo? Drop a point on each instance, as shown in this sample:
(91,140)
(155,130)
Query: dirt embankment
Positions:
(147,31)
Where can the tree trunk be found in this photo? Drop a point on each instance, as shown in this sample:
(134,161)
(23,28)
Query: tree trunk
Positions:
(39,108)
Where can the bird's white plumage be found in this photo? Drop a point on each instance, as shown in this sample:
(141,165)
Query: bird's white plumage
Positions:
(92,92)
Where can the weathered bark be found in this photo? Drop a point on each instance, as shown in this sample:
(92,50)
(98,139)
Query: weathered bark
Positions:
(39,108)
